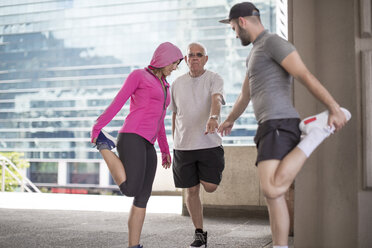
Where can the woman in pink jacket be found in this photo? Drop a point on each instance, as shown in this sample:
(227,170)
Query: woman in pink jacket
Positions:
(134,169)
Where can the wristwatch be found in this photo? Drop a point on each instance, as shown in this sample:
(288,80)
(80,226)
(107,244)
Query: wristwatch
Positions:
(215,117)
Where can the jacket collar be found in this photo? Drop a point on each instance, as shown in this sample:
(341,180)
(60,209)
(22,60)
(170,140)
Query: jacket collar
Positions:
(149,69)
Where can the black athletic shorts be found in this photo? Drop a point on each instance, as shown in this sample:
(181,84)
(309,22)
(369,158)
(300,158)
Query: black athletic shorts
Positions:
(276,138)
(191,166)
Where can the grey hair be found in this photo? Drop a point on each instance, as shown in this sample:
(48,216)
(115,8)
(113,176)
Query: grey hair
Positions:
(198,44)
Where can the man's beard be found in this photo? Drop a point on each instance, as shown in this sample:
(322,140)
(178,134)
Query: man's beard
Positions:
(244,36)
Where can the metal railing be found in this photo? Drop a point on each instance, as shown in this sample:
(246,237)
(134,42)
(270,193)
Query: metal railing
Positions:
(26,184)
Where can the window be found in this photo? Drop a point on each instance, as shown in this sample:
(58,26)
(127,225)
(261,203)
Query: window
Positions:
(83,173)
(43,172)
(62,62)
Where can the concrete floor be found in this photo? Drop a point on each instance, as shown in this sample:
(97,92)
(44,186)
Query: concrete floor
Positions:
(58,228)
(57,220)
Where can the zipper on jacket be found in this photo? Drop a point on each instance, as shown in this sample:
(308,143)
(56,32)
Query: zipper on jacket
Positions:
(162,113)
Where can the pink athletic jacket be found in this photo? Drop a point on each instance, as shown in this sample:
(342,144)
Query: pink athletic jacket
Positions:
(148,100)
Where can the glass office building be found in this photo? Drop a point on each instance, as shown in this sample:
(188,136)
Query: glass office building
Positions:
(63,61)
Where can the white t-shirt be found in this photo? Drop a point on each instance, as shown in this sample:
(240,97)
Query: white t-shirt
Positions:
(191,100)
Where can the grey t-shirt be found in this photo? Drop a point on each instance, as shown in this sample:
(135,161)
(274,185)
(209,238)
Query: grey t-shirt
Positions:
(191,100)
(270,84)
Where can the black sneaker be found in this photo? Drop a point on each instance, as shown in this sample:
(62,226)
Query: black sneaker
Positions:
(105,141)
(200,240)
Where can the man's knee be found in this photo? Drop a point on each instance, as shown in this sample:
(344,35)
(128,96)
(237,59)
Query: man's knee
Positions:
(209,187)
(272,192)
(193,191)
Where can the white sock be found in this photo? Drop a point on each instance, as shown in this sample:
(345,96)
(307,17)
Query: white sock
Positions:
(280,246)
(312,140)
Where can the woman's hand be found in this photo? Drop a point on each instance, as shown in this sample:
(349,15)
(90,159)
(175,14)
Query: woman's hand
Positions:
(166,160)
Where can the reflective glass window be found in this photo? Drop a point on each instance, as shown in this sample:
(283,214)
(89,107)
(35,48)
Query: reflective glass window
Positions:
(83,173)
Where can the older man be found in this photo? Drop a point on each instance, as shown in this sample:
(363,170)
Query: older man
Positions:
(196,101)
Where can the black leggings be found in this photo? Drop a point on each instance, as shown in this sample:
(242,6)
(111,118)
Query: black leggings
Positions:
(139,159)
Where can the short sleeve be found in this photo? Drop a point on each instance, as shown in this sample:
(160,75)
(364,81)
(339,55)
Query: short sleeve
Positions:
(217,86)
(172,106)
(278,48)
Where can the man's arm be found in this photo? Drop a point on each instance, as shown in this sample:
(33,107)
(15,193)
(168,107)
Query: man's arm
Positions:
(294,65)
(173,123)
(212,123)
(239,106)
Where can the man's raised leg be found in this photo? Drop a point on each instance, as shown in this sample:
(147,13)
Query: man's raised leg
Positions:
(209,187)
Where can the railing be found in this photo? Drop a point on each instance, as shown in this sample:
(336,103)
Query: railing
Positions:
(5,163)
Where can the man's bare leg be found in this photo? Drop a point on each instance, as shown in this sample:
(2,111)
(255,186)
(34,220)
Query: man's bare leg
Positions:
(209,187)
(194,206)
(279,220)
(275,178)
(135,224)
(282,173)
(288,169)
(115,166)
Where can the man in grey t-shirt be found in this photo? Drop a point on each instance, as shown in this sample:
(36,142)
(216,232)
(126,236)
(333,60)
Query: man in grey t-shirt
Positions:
(280,153)
(198,156)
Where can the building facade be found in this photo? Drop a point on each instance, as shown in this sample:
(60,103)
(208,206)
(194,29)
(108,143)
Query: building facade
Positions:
(63,61)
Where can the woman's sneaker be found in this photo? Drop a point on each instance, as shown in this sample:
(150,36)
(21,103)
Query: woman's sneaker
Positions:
(200,240)
(105,141)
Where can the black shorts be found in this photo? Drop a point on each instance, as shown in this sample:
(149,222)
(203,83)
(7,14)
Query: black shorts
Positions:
(189,167)
(276,138)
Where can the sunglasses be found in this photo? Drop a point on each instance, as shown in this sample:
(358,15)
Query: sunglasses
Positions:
(199,55)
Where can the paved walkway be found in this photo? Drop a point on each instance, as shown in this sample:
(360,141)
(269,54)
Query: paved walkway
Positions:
(57,220)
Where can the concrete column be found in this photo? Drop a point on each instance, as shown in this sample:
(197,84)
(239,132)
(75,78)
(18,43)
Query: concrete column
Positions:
(62,173)
(332,204)
(104,175)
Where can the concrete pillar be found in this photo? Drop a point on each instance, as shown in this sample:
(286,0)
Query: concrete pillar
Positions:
(104,175)
(332,204)
(62,173)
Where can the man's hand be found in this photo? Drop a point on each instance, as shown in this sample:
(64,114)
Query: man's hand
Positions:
(211,126)
(225,128)
(166,160)
(336,119)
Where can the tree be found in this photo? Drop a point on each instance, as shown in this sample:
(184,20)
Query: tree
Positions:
(11,184)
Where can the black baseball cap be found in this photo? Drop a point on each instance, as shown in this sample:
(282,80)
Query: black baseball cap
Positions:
(241,10)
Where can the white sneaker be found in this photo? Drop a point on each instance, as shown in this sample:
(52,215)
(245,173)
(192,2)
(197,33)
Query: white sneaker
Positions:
(320,121)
